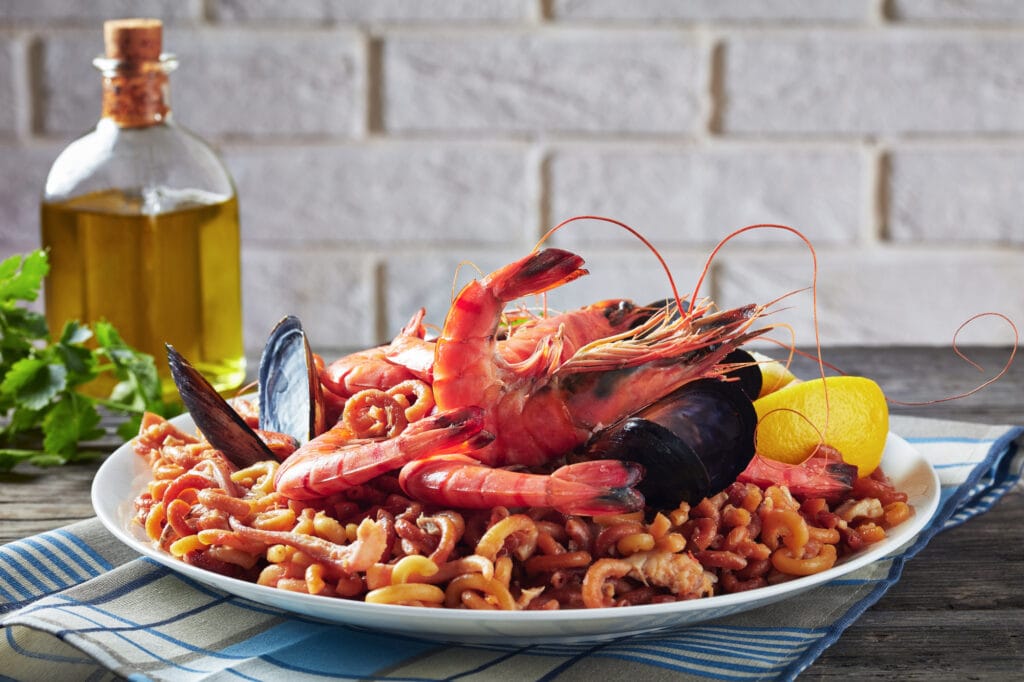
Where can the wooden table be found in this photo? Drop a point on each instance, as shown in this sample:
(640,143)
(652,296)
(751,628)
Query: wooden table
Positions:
(958,611)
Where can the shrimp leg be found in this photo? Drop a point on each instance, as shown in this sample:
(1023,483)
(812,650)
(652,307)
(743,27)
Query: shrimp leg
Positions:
(595,487)
(330,463)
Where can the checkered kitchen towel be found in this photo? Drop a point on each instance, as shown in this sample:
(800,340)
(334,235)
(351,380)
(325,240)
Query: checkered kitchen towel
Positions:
(80,606)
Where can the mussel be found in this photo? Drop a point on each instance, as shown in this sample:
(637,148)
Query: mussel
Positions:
(291,400)
(222,426)
(692,443)
(747,372)
(289,393)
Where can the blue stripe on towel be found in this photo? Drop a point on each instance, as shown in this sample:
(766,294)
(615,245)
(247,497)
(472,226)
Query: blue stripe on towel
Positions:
(27,567)
(17,578)
(73,554)
(359,653)
(954,439)
(86,549)
(70,575)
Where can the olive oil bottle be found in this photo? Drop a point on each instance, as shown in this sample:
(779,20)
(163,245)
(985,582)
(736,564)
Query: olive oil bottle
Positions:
(141,221)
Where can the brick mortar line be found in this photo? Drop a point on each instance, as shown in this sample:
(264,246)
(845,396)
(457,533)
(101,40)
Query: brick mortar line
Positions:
(610,141)
(24,91)
(875,194)
(538,187)
(744,28)
(378,255)
(379,297)
(540,11)
(712,90)
(372,87)
(206,12)
(726,143)
(879,12)
(645,144)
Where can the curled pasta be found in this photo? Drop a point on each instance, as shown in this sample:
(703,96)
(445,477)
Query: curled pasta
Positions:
(376,544)
(599,582)
(553,562)
(496,536)
(787,526)
(492,590)
(785,561)
(186,545)
(411,567)
(405,593)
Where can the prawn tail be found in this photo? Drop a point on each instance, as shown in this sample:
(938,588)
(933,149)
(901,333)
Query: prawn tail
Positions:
(816,477)
(603,486)
(535,274)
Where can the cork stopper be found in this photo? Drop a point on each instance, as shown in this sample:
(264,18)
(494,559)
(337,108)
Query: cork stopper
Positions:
(135,72)
(133,40)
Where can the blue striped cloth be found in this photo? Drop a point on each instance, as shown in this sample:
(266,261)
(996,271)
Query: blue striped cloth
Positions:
(76,604)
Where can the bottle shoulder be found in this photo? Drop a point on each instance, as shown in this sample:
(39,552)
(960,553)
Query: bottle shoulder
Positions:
(164,157)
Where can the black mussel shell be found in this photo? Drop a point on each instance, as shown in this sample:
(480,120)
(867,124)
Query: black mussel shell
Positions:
(693,443)
(748,374)
(672,470)
(291,401)
(214,417)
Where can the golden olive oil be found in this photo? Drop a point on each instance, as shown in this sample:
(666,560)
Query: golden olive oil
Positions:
(167,277)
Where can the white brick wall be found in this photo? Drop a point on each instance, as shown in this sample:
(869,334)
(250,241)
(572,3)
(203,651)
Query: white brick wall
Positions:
(898,81)
(541,81)
(378,145)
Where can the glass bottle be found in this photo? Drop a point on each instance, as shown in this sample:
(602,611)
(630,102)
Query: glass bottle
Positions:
(141,221)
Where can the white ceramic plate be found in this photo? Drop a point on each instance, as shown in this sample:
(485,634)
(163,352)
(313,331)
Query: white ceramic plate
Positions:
(124,475)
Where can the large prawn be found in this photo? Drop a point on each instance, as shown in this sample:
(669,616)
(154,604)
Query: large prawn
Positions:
(531,410)
(410,355)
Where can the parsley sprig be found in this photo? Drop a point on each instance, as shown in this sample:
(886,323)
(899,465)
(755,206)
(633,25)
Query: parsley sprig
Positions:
(45,418)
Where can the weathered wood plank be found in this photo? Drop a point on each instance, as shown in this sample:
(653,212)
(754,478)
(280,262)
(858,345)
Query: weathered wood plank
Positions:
(34,500)
(927,645)
(960,567)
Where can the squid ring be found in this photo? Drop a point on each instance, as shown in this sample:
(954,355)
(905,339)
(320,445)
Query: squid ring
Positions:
(416,396)
(372,413)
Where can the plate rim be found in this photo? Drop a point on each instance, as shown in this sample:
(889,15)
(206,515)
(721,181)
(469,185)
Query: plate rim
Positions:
(115,512)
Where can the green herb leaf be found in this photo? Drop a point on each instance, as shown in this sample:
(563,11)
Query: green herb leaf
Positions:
(22,276)
(73,419)
(9,457)
(75,333)
(80,361)
(33,382)
(140,385)
(40,400)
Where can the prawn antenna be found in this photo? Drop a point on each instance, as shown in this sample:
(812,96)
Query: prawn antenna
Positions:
(960,354)
(635,233)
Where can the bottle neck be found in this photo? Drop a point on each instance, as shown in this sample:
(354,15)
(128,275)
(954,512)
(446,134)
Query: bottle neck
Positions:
(136,94)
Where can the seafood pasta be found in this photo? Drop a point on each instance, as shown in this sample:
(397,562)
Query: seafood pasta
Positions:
(377,544)
(601,457)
